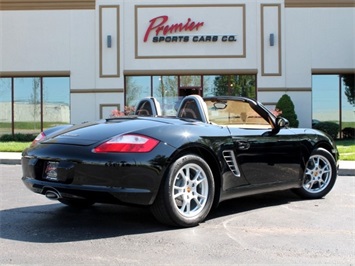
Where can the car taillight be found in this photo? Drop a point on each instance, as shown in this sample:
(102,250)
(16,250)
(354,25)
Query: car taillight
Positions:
(38,139)
(128,143)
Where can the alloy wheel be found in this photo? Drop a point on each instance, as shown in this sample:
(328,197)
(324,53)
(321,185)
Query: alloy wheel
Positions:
(190,190)
(318,174)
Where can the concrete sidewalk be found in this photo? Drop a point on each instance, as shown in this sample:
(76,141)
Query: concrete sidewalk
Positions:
(345,167)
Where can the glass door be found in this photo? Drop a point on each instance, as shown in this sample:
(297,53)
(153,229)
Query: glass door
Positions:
(190,85)
(185,91)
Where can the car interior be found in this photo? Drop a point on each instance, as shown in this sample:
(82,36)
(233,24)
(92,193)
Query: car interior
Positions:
(148,106)
(226,112)
(193,107)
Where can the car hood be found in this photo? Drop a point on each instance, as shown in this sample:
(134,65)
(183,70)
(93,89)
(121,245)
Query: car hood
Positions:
(91,133)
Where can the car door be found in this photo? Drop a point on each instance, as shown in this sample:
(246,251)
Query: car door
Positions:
(266,158)
(264,151)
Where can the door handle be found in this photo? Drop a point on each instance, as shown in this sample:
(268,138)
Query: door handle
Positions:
(243,145)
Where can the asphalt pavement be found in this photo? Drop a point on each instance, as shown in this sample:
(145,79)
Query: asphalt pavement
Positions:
(276,228)
(345,167)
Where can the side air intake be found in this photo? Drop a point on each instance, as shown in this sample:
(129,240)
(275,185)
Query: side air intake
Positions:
(231,162)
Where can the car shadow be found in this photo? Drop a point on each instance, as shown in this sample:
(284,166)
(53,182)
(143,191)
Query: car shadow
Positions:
(250,203)
(55,223)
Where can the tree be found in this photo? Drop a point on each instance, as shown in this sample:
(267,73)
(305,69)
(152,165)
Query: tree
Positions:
(286,106)
(349,80)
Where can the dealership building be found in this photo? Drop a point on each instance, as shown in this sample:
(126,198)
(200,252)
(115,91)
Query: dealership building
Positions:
(70,61)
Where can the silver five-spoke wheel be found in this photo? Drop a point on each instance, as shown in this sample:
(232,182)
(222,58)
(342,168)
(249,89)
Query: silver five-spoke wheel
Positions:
(187,193)
(319,175)
(190,190)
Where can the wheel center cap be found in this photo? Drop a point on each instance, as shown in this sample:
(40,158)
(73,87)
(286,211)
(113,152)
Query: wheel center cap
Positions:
(188,189)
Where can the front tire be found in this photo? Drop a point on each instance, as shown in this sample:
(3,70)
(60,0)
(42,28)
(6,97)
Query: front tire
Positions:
(319,176)
(186,195)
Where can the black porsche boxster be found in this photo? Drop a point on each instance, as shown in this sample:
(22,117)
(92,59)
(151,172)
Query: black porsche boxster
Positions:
(181,166)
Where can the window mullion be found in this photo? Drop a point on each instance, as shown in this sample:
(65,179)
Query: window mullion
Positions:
(41,97)
(12,107)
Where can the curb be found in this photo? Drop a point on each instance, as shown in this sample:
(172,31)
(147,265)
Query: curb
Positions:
(10,161)
(346,172)
(10,157)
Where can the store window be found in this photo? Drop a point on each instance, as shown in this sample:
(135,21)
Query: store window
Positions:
(165,90)
(137,87)
(231,85)
(32,104)
(27,105)
(347,119)
(56,100)
(333,100)
(169,90)
(5,106)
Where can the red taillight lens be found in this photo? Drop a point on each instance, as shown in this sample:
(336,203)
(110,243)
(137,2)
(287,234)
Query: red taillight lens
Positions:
(38,139)
(128,143)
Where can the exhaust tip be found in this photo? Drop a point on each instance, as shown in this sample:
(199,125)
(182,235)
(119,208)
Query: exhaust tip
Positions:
(53,195)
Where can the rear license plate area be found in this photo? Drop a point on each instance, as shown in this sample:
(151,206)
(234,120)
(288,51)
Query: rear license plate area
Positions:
(51,171)
(62,171)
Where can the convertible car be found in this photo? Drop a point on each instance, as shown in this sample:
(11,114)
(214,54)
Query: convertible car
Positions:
(181,166)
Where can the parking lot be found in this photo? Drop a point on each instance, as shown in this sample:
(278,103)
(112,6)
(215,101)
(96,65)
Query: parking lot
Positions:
(276,228)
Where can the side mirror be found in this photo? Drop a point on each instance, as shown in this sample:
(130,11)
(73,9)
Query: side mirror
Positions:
(282,122)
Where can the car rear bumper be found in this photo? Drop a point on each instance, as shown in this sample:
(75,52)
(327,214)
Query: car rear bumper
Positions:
(102,194)
(122,182)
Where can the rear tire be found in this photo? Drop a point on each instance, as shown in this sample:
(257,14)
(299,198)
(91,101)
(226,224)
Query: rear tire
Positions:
(319,176)
(186,194)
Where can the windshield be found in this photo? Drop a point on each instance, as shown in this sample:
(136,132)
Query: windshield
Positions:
(234,113)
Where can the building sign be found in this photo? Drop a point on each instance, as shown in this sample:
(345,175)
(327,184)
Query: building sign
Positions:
(190,31)
(159,26)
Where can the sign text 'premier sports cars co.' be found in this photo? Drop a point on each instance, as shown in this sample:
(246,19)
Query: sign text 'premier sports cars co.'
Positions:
(178,32)
(191,31)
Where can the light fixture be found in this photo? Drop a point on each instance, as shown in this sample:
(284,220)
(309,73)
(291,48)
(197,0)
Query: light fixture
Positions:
(109,41)
(272,39)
